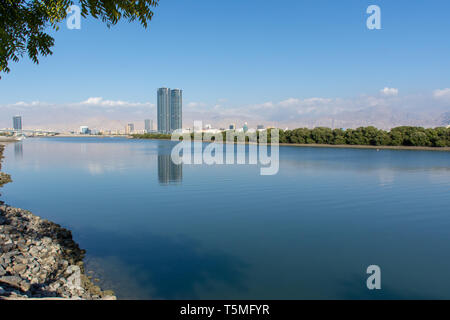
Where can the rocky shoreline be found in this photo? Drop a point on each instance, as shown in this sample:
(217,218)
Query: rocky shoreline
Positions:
(39,259)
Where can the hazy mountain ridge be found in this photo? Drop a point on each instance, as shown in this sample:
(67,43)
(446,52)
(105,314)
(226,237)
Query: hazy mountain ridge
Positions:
(292,113)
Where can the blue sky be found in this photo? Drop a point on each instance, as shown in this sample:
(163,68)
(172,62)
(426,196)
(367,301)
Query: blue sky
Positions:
(244,52)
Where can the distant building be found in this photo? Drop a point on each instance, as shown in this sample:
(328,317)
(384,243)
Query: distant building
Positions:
(197,128)
(232,126)
(260,127)
(129,128)
(170,105)
(208,126)
(245,127)
(85,130)
(17,123)
(148,125)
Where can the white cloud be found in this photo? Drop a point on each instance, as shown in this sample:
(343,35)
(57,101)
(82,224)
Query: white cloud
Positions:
(442,93)
(99,101)
(196,104)
(28,104)
(289,102)
(93,101)
(389,91)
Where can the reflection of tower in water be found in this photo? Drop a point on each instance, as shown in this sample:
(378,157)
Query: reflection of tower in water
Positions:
(169,172)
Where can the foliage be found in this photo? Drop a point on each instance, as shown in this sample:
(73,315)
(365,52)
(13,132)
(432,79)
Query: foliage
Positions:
(400,136)
(152,136)
(24,23)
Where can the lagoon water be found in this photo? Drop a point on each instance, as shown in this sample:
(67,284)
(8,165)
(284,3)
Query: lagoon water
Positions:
(155,230)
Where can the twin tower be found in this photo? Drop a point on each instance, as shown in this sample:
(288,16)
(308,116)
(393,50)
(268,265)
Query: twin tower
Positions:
(169,109)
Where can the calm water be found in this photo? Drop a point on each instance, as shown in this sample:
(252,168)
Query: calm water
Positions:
(156,230)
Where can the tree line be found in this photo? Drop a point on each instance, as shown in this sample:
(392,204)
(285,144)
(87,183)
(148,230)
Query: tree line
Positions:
(370,136)
(399,136)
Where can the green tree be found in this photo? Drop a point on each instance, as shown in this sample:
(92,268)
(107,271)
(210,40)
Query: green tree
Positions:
(356,137)
(396,137)
(24,23)
(322,135)
(400,136)
(283,137)
(338,136)
(301,135)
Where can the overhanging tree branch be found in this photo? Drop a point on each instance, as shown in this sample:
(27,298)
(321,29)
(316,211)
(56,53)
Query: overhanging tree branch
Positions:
(23,23)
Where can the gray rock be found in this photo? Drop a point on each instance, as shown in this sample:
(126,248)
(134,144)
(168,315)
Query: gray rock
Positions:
(74,280)
(13,281)
(7,256)
(8,247)
(39,259)
(19,268)
(54,286)
(72,269)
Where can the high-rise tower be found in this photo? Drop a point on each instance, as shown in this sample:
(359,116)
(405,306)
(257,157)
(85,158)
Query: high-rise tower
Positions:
(17,123)
(170,104)
(163,110)
(176,102)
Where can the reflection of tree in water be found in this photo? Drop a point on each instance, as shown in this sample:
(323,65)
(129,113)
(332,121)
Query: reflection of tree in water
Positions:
(169,172)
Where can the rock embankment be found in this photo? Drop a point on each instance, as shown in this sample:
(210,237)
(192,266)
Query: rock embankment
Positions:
(39,259)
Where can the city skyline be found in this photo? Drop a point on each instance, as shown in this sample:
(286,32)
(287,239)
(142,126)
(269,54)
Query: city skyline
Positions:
(384,109)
